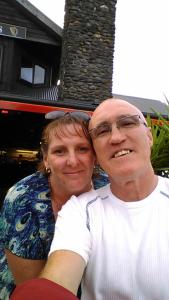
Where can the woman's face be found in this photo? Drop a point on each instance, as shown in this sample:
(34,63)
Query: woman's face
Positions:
(70,158)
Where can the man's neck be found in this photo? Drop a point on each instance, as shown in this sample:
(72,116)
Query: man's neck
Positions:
(134,189)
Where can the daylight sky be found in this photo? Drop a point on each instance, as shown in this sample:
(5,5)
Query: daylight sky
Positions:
(141,58)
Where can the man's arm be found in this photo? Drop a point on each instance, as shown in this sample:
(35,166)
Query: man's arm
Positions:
(65,268)
(23,269)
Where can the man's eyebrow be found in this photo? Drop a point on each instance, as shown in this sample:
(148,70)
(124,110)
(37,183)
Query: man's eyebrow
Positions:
(104,122)
(99,124)
(124,116)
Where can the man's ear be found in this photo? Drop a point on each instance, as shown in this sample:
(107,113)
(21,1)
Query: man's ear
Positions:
(150,137)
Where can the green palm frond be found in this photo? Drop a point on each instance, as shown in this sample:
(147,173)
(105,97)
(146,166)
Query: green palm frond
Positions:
(160,149)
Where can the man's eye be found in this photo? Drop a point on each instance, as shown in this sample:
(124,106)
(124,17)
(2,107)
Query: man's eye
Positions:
(128,122)
(103,129)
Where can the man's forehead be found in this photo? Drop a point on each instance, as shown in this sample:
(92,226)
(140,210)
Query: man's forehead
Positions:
(112,110)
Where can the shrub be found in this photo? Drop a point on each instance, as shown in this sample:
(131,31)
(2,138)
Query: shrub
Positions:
(160,149)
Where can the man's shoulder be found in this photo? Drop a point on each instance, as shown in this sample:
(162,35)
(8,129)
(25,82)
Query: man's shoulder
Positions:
(95,194)
(164,184)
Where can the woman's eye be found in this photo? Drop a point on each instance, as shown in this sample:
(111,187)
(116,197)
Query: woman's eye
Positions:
(59,151)
(83,149)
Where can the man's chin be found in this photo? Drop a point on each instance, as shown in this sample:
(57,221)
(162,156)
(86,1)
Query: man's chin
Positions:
(124,173)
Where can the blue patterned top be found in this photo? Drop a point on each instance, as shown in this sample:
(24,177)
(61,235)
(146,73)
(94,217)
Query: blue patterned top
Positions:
(27,223)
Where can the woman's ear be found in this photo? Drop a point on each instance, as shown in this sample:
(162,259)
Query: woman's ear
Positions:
(45,160)
(95,162)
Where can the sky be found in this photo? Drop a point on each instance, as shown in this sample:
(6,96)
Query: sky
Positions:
(141,57)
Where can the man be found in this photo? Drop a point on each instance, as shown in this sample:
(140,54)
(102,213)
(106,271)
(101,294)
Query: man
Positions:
(115,239)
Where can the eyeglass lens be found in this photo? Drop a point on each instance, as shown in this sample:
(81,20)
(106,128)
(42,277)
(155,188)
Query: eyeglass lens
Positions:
(121,123)
(53,115)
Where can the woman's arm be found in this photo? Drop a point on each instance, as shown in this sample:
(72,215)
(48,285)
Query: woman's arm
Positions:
(23,269)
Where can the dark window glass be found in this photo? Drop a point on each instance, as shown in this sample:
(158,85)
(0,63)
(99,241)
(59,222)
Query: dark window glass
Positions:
(39,75)
(32,73)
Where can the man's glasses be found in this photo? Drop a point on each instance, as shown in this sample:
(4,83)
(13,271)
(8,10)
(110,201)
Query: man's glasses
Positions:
(123,123)
(57,114)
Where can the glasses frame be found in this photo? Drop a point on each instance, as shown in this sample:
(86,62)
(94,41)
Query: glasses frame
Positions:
(140,121)
(57,114)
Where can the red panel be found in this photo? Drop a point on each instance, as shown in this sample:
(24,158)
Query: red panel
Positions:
(34,108)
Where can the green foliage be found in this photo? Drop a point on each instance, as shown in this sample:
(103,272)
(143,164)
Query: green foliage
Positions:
(160,149)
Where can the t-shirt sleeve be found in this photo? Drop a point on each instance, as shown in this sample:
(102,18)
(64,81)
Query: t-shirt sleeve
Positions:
(20,225)
(71,231)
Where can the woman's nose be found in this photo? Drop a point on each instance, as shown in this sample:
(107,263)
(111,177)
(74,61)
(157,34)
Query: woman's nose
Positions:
(72,159)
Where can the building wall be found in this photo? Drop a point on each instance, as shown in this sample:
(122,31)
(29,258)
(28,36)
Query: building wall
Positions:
(88,47)
(12,13)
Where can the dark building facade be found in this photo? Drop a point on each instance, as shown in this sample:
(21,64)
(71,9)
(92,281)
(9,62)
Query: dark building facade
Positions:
(30,49)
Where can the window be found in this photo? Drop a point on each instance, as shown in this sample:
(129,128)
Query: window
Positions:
(32,73)
(39,75)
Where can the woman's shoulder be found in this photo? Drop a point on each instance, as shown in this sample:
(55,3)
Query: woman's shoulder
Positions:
(100,180)
(36,179)
(28,190)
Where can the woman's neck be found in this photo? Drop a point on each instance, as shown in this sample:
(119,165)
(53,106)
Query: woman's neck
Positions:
(58,198)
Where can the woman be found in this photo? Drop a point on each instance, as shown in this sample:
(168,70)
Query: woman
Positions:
(31,205)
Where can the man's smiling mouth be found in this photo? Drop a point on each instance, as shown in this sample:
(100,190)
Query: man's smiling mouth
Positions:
(121,153)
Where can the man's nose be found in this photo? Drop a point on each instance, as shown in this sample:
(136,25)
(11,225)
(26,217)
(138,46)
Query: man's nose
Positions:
(116,135)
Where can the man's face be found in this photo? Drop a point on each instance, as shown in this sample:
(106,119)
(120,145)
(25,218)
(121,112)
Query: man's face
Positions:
(123,152)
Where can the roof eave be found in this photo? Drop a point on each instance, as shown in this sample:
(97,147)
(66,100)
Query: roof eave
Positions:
(41,17)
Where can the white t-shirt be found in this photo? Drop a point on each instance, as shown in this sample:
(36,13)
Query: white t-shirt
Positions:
(125,244)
